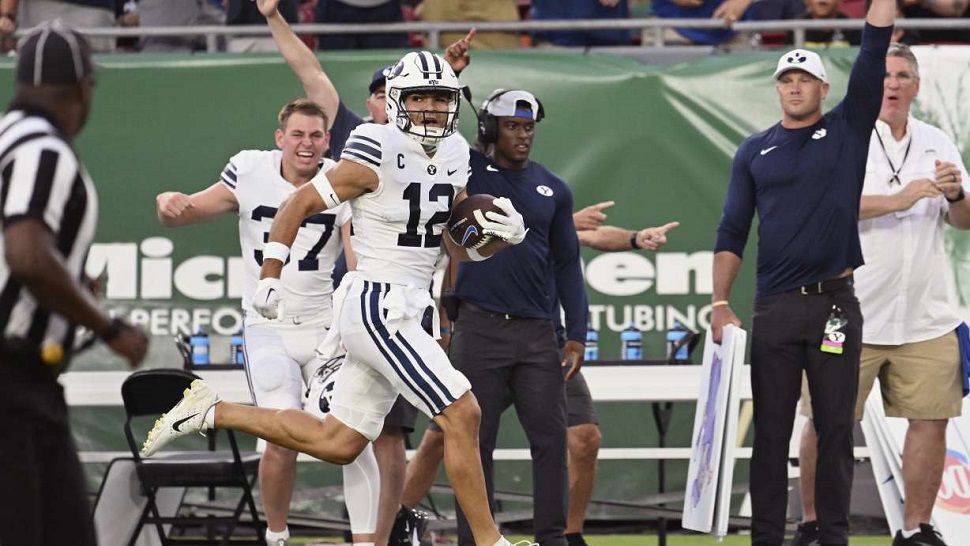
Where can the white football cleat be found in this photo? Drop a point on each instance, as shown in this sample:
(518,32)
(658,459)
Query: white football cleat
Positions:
(186,417)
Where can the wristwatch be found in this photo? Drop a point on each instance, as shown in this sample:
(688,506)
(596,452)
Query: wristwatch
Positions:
(960,197)
(633,241)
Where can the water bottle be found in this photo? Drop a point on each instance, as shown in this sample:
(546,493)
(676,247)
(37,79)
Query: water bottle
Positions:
(631,343)
(199,342)
(237,354)
(592,351)
(674,335)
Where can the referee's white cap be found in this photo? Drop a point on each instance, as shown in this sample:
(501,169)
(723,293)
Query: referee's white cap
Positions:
(53,54)
(801,59)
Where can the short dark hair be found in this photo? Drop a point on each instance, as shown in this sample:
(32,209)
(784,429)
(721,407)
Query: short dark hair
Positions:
(303,106)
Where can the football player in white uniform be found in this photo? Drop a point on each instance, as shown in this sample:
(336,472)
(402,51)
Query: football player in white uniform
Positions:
(402,180)
(280,353)
(389,447)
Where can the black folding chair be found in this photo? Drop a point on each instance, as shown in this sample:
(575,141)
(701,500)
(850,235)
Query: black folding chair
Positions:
(151,393)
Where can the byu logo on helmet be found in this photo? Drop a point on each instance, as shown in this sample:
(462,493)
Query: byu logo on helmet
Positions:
(427,73)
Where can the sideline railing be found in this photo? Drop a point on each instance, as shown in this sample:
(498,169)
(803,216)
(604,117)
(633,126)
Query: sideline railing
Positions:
(651,30)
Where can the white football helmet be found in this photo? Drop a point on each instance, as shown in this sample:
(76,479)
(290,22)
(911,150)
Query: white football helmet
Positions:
(421,71)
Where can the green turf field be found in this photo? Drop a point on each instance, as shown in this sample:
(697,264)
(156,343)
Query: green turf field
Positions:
(644,540)
(699,540)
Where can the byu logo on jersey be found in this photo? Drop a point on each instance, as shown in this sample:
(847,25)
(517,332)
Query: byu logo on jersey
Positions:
(432,170)
(820,134)
(544,190)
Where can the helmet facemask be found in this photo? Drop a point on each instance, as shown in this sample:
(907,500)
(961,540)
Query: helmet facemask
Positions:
(410,121)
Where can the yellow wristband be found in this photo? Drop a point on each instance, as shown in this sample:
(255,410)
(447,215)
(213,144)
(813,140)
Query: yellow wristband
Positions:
(720,303)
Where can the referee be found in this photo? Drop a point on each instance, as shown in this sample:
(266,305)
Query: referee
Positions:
(48,214)
(804,176)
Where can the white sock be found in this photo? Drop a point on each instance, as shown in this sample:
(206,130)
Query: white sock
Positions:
(363,544)
(910,532)
(273,536)
(210,422)
(502,541)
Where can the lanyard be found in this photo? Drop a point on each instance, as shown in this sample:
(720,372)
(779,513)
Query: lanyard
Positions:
(895,176)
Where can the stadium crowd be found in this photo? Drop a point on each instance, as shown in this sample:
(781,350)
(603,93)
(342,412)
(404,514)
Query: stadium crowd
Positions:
(82,14)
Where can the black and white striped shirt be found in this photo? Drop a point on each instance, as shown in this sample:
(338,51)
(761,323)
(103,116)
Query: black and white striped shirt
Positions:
(43,179)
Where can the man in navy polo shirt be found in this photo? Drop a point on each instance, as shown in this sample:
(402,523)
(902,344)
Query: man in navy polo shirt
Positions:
(804,177)
(503,339)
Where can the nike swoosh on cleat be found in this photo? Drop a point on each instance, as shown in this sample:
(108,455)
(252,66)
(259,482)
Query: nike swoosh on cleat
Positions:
(179,423)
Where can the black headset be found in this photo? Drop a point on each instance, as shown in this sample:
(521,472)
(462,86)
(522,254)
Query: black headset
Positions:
(488,124)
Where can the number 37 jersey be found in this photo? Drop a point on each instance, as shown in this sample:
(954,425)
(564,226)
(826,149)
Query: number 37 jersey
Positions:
(398,227)
(254,176)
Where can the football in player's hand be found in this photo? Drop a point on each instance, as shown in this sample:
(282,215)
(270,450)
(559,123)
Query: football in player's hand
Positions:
(463,226)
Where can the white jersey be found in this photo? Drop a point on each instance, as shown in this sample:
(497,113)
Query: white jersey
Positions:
(254,176)
(398,227)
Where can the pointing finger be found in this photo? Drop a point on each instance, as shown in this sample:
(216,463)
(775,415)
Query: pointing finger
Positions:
(668,226)
(604,205)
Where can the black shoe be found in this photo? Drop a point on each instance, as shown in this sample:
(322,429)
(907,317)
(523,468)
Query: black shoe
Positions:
(806,535)
(575,539)
(927,536)
(409,527)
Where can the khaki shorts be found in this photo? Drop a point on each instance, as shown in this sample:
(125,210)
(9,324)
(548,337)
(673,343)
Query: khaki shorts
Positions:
(918,380)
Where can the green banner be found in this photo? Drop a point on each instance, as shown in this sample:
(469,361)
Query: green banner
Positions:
(657,140)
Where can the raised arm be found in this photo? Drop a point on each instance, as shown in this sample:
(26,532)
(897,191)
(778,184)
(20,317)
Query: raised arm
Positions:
(882,13)
(306,66)
(176,209)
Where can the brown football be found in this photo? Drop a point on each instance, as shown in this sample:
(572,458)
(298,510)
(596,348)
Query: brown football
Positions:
(464,228)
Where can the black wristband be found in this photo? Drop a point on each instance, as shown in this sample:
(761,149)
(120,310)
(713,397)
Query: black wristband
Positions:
(633,241)
(960,197)
(115,326)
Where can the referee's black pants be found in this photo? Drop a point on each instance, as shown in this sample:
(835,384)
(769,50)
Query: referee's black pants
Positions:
(516,361)
(786,335)
(43,492)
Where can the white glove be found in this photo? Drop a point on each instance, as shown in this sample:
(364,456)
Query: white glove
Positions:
(268,299)
(509,226)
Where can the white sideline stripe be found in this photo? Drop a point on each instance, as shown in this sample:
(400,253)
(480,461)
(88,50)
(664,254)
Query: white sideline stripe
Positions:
(606,453)
(606,383)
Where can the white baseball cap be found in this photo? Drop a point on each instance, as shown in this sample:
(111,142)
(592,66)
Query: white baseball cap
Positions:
(510,103)
(801,59)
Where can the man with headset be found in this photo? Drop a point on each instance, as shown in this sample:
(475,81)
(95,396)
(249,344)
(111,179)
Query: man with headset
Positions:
(503,339)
